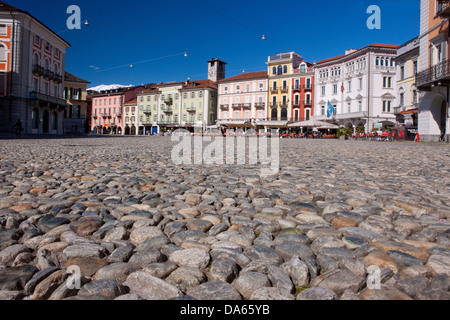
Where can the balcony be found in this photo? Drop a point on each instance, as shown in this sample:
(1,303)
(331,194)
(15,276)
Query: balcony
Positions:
(168,101)
(274,90)
(296,88)
(435,75)
(443,8)
(296,104)
(147,111)
(284,104)
(224,106)
(38,70)
(284,89)
(247,105)
(260,105)
(307,103)
(191,109)
(307,87)
(48,75)
(237,105)
(167,122)
(167,109)
(57,78)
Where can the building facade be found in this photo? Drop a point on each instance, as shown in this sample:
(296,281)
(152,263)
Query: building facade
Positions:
(407,107)
(433,79)
(32,64)
(108,109)
(360,85)
(75,115)
(243,100)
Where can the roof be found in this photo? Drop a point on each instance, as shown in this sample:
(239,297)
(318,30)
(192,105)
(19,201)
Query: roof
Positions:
(245,76)
(8,8)
(131,102)
(374,45)
(199,84)
(72,78)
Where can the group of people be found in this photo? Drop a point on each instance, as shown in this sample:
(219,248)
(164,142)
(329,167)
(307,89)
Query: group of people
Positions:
(375,136)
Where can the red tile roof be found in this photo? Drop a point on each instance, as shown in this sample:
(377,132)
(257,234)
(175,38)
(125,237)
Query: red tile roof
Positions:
(245,76)
(375,45)
(131,102)
(199,84)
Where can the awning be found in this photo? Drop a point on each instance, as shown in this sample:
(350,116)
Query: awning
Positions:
(309,124)
(234,123)
(273,124)
(412,111)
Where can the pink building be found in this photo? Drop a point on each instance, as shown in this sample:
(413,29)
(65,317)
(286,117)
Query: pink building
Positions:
(243,100)
(107,109)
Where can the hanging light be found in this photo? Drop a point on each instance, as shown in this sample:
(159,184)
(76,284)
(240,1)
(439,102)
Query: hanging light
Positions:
(263,38)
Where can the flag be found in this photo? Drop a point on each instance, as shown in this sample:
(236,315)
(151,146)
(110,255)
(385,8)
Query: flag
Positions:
(330,109)
(342,88)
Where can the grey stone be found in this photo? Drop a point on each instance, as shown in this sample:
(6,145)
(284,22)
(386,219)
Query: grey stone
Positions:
(85,250)
(404,260)
(257,252)
(185,278)
(144,258)
(121,254)
(280,279)
(38,277)
(107,289)
(196,258)
(290,249)
(118,271)
(248,282)
(15,278)
(298,271)
(412,286)
(214,290)
(317,294)
(48,222)
(150,288)
(339,280)
(161,270)
(8,255)
(223,269)
(267,294)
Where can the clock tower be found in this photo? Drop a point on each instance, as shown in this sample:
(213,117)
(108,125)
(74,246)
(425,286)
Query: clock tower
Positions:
(216,70)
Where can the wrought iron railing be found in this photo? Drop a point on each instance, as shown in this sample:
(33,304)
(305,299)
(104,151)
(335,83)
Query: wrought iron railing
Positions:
(435,73)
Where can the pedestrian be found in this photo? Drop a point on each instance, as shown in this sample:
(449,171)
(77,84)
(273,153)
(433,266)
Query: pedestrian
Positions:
(19,128)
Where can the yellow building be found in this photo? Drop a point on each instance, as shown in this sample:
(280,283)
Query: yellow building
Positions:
(407,61)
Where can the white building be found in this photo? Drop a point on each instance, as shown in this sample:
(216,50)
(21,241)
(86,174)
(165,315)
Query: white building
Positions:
(32,66)
(361,87)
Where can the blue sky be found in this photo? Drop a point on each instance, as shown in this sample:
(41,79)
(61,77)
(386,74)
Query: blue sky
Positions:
(153,35)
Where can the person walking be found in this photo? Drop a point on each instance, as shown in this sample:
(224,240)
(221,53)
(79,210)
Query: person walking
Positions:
(19,128)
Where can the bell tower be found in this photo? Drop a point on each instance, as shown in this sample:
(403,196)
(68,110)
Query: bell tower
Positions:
(216,70)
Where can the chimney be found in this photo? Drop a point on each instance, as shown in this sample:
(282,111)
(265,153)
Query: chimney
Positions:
(350,51)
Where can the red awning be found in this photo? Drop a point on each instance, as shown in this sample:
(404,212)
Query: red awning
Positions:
(413,111)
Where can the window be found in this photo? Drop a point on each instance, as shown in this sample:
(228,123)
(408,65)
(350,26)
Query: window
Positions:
(261,86)
(247,87)
(225,89)
(360,83)
(414,96)
(47,46)
(37,40)
(238,88)
(387,82)
(307,114)
(322,109)
(200,94)
(192,94)
(280,70)
(236,114)
(415,67)
(386,106)
(2,53)
(36,85)
(349,107)
(303,68)
(335,89)
(360,106)
(402,73)
(285,69)
(274,70)
(402,99)
(349,86)
(323,91)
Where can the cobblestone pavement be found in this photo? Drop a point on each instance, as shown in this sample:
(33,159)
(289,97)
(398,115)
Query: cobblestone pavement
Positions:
(114,218)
